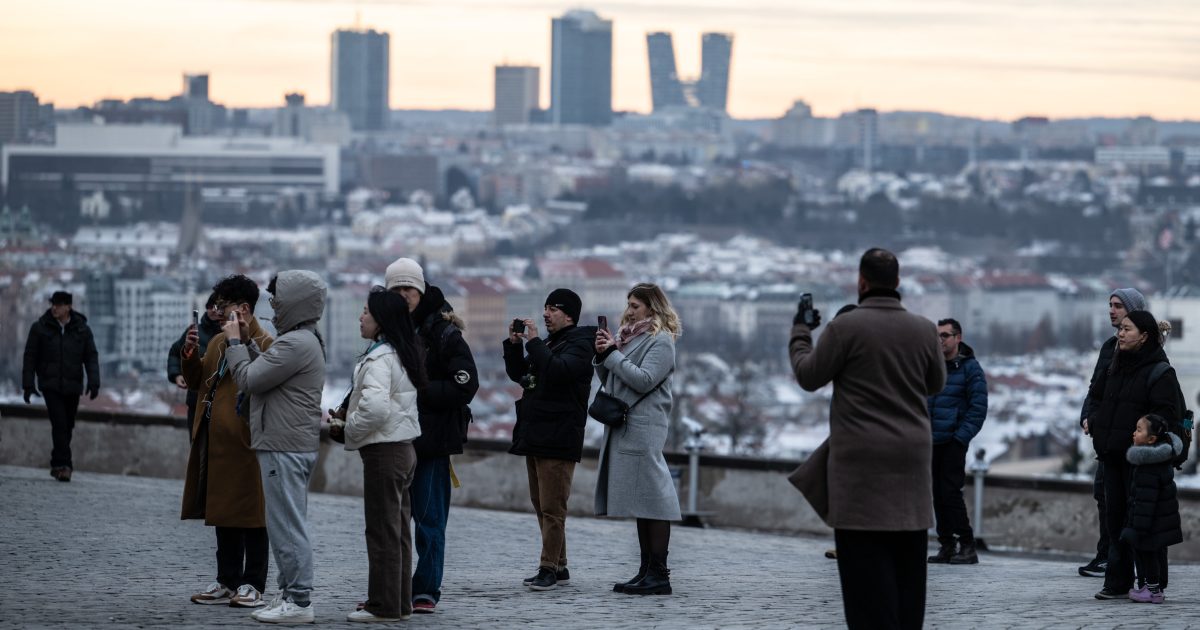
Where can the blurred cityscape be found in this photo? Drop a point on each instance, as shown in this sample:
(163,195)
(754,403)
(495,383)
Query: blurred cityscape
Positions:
(1019,229)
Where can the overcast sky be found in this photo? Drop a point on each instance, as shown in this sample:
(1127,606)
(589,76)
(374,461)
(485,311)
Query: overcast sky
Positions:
(996,59)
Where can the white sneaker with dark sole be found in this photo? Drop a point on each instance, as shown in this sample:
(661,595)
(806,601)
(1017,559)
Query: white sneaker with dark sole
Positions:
(214,594)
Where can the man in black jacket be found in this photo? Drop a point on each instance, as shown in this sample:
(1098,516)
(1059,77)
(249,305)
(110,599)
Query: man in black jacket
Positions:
(208,327)
(60,347)
(1121,302)
(443,411)
(556,375)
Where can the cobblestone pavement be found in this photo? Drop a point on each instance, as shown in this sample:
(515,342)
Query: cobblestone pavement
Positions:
(106,550)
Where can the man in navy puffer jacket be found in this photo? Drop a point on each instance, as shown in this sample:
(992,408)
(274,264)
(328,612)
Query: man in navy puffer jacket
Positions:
(956,414)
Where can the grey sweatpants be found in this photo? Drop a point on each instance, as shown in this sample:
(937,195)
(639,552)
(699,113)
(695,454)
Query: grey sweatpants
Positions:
(285,478)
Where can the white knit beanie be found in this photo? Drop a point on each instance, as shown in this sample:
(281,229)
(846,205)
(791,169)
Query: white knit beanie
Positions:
(405,272)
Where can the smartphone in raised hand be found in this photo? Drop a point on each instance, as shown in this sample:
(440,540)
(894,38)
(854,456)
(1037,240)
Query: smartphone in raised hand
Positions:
(603,322)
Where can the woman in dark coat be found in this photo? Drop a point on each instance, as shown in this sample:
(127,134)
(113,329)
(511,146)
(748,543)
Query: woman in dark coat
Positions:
(1126,395)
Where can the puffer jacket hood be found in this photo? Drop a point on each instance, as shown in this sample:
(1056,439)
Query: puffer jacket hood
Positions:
(1155,453)
(299,299)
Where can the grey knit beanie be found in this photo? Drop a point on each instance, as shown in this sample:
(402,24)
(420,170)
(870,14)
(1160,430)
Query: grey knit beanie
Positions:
(1131,298)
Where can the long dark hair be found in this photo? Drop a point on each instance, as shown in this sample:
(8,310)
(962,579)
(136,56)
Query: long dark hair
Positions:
(390,312)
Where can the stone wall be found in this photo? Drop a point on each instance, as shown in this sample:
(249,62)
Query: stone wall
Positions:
(1019,513)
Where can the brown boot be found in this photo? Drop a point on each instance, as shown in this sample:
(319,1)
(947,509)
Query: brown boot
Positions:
(64,473)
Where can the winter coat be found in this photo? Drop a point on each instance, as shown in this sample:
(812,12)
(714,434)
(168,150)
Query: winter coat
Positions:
(1107,350)
(958,411)
(207,329)
(285,383)
(551,415)
(1152,521)
(883,361)
(633,479)
(453,379)
(222,483)
(383,403)
(1124,398)
(59,356)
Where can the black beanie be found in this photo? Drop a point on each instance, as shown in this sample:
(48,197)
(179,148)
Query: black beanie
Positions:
(566,301)
(60,297)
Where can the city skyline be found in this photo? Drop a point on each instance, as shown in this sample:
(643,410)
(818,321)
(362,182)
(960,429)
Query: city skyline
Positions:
(1004,60)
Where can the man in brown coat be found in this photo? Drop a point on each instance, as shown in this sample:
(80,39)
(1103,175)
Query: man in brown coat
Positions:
(223,485)
(883,361)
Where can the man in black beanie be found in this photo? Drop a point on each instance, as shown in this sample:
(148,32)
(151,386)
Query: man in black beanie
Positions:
(556,376)
(60,349)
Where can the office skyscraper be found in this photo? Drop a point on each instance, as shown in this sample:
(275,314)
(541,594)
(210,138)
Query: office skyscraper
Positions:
(581,69)
(713,87)
(359,77)
(866,141)
(516,95)
(665,87)
(195,86)
(19,115)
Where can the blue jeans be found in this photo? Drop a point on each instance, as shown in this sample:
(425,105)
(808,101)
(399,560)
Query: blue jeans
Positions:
(430,496)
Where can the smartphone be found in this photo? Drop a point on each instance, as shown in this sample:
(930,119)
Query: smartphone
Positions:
(806,308)
(603,321)
(233,316)
(196,317)
(518,325)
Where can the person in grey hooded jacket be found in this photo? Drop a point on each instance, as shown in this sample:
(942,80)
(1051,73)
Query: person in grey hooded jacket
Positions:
(283,388)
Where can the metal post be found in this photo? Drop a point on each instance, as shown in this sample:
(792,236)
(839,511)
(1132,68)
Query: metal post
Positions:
(693,449)
(979,469)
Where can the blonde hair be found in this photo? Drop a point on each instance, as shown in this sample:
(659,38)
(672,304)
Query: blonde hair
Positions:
(662,314)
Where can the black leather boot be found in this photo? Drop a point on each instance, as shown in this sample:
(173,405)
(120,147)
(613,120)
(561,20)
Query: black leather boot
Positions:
(619,587)
(657,580)
(944,554)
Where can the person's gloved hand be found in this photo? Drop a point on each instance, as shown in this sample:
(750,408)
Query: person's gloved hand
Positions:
(93,391)
(1129,535)
(30,391)
(799,318)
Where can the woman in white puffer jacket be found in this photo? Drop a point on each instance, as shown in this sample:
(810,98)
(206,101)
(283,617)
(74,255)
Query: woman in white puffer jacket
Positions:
(381,423)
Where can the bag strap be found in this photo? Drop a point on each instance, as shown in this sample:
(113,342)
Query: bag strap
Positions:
(660,384)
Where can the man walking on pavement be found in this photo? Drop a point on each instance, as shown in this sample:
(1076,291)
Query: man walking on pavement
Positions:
(957,414)
(1121,302)
(883,361)
(556,376)
(59,349)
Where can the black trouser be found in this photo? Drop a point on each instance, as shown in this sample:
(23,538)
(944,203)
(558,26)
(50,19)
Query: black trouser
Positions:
(883,577)
(949,474)
(61,408)
(1117,477)
(1152,566)
(242,554)
(1098,494)
(191,406)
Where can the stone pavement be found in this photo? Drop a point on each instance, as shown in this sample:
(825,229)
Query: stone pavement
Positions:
(106,550)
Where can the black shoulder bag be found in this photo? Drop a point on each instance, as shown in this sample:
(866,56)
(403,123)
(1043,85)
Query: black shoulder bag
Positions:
(612,411)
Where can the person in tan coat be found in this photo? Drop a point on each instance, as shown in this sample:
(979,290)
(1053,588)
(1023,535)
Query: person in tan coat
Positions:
(223,484)
(883,361)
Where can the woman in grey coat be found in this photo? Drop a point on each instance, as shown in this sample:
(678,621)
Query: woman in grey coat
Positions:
(633,479)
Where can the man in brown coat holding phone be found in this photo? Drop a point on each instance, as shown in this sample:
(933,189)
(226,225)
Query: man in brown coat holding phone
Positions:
(883,361)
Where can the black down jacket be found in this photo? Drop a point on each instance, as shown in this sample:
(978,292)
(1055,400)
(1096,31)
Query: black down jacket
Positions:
(59,355)
(442,406)
(1124,397)
(1153,517)
(552,411)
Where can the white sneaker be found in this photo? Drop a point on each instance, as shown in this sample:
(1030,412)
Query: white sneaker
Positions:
(275,603)
(247,597)
(287,612)
(214,594)
(366,617)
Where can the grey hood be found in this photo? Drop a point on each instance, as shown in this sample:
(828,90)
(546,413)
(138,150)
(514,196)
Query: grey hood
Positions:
(299,299)
(1155,453)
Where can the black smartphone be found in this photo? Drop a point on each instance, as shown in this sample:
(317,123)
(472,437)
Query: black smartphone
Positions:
(806,308)
(196,317)
(603,321)
(518,325)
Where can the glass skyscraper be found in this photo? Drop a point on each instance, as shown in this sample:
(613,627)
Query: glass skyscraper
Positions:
(581,69)
(359,77)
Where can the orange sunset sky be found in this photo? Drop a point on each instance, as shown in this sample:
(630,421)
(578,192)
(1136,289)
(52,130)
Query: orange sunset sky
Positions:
(997,59)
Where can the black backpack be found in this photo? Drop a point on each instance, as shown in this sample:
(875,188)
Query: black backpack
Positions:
(1181,427)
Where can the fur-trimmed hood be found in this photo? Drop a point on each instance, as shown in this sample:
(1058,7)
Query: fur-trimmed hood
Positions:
(1155,453)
